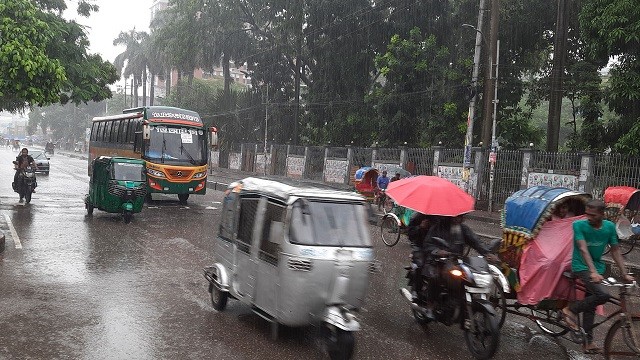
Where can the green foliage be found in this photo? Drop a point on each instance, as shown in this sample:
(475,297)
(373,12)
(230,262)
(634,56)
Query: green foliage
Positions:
(29,74)
(44,58)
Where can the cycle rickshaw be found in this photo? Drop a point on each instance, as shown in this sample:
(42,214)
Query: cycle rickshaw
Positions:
(536,253)
(365,182)
(623,208)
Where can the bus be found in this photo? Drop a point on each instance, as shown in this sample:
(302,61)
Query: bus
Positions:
(173,142)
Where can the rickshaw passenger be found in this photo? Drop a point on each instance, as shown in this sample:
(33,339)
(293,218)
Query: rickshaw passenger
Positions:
(590,239)
(562,211)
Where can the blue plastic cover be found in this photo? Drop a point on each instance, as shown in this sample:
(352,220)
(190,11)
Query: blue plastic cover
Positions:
(360,172)
(524,207)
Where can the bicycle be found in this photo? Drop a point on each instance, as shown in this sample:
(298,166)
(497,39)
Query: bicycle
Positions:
(391,225)
(623,332)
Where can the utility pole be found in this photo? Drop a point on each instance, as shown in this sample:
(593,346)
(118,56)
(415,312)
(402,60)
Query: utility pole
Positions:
(489,79)
(555,97)
(266,122)
(468,139)
(493,156)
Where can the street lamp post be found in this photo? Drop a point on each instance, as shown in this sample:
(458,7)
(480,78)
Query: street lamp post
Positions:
(468,140)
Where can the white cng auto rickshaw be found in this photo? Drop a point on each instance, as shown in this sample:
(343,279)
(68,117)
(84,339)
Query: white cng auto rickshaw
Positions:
(297,255)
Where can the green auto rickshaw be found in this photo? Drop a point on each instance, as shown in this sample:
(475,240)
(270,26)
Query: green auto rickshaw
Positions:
(117,185)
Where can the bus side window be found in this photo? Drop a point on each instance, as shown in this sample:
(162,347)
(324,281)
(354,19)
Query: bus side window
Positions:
(94,130)
(124,126)
(115,127)
(131,132)
(100,132)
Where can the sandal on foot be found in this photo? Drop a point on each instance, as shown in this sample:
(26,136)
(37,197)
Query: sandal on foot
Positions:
(569,319)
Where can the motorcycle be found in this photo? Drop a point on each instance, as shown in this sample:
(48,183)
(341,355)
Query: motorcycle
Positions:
(26,183)
(462,296)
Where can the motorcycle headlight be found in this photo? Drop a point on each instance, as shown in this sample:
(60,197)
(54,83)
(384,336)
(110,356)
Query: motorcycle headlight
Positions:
(155,173)
(200,175)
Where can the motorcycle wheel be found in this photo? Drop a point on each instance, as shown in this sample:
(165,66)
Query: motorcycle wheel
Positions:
(89,208)
(341,344)
(183,198)
(483,341)
(127,216)
(27,197)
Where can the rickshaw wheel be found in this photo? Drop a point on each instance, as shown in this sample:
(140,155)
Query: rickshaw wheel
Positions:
(127,216)
(89,208)
(389,230)
(549,327)
(218,298)
(625,246)
(341,344)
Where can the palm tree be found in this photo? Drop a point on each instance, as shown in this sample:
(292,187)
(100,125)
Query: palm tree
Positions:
(135,58)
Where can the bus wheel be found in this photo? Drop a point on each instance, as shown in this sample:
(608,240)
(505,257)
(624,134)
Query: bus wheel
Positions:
(183,198)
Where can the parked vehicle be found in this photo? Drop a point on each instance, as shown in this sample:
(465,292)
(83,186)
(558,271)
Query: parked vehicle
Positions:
(42,161)
(298,256)
(623,208)
(117,185)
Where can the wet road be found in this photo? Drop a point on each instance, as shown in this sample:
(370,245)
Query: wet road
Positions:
(79,287)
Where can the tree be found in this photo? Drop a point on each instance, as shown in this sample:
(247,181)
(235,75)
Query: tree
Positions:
(44,57)
(135,58)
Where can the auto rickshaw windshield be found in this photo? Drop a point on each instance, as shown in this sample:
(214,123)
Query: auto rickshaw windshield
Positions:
(328,224)
(128,172)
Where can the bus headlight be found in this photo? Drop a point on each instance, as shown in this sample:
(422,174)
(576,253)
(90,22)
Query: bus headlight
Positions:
(155,173)
(200,175)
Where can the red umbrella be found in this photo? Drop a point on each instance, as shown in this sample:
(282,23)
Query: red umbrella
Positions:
(431,195)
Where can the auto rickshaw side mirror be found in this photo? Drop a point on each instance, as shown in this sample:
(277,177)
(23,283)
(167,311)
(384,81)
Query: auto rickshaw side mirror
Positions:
(276,232)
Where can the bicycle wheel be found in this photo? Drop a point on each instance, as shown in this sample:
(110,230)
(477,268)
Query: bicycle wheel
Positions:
(389,230)
(622,340)
(551,326)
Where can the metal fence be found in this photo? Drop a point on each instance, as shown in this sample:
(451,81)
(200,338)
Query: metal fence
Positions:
(361,157)
(296,150)
(453,156)
(420,161)
(279,160)
(337,152)
(314,163)
(507,177)
(384,154)
(614,170)
(565,163)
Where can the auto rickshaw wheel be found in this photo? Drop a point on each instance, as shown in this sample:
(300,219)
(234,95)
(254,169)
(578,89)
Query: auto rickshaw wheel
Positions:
(219,298)
(183,198)
(89,208)
(127,216)
(341,344)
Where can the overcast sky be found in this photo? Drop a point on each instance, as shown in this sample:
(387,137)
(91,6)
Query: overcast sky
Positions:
(113,17)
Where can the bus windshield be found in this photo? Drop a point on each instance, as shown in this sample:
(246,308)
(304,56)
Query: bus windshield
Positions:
(176,145)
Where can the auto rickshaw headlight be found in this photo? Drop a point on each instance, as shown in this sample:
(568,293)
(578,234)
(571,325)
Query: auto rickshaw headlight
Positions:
(155,173)
(200,175)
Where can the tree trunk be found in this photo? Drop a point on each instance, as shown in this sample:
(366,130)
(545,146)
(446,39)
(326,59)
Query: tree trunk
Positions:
(152,92)
(557,72)
(135,92)
(227,74)
(144,87)
(167,83)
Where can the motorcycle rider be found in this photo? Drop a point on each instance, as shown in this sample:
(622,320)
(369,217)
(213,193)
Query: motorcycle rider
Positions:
(22,161)
(456,235)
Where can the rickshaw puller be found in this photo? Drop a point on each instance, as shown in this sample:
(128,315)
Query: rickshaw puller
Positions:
(590,239)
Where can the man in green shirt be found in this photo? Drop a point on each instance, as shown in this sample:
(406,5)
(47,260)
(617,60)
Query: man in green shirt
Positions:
(591,236)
